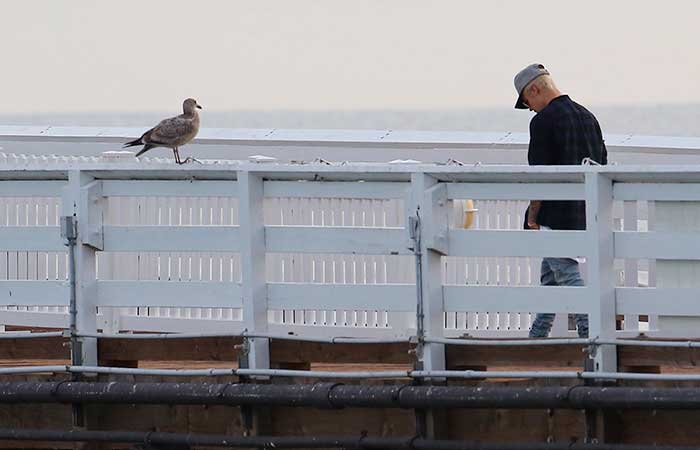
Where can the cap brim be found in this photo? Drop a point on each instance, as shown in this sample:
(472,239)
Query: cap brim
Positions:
(519,104)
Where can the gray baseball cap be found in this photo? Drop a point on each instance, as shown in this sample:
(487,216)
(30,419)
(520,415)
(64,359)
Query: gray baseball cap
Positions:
(524,77)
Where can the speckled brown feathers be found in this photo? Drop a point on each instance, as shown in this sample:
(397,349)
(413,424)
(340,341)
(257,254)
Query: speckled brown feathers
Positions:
(171,133)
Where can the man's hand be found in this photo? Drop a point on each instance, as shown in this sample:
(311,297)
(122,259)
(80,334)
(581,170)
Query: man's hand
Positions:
(532,212)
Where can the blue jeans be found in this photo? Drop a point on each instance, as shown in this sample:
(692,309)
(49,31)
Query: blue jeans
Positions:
(559,272)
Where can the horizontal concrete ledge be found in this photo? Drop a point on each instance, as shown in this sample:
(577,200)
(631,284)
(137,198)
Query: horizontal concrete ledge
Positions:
(381,138)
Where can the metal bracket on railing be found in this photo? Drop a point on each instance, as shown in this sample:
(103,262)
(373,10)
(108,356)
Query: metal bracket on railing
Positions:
(592,348)
(69,229)
(91,225)
(414,232)
(436,214)
(244,351)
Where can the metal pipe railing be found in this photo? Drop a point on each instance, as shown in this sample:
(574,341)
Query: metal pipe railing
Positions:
(338,395)
(525,342)
(387,374)
(26,335)
(513,342)
(281,337)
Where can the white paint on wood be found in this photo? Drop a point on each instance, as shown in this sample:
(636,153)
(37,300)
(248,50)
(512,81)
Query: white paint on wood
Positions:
(631,265)
(658,245)
(672,301)
(305,296)
(13,239)
(517,243)
(433,355)
(600,261)
(487,269)
(353,240)
(172,294)
(253,288)
(34,293)
(657,191)
(171,238)
(515,191)
(46,188)
(167,188)
(501,298)
(338,189)
(85,265)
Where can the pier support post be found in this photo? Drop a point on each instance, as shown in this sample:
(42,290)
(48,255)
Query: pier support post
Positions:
(600,424)
(601,282)
(427,222)
(81,220)
(253,284)
(82,201)
(428,204)
(256,351)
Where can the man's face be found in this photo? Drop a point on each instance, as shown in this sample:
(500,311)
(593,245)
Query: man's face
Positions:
(532,98)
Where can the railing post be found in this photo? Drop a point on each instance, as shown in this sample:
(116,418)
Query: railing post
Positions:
(81,201)
(631,270)
(601,282)
(253,286)
(427,223)
(429,202)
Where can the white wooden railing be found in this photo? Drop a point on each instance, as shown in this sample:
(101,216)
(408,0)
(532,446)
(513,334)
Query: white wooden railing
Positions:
(322,250)
(185,249)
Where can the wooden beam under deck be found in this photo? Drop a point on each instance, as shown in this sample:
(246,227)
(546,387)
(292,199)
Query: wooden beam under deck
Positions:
(635,427)
(225,349)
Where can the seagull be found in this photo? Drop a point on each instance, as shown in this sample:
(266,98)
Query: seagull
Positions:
(172,133)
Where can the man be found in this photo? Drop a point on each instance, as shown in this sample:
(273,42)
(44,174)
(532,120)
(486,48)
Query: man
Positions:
(561,133)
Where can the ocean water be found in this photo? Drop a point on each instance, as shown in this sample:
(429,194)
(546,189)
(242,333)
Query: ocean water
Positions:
(660,120)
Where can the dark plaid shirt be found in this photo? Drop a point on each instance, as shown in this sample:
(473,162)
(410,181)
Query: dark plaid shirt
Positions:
(564,133)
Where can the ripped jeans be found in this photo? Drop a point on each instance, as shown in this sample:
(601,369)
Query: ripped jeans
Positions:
(559,272)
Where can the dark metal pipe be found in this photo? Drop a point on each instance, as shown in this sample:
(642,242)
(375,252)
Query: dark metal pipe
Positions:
(486,397)
(635,398)
(360,442)
(167,393)
(336,395)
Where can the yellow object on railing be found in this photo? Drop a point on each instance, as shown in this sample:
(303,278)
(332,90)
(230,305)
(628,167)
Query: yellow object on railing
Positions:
(464,212)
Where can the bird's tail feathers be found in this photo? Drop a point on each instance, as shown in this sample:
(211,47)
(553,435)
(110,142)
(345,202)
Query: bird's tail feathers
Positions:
(133,143)
(145,148)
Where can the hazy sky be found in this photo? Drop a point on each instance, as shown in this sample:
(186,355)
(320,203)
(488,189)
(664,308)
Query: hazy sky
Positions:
(87,55)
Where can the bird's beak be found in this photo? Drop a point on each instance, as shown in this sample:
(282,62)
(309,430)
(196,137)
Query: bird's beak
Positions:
(199,107)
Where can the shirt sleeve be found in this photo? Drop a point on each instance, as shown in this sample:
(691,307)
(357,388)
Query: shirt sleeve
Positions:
(538,153)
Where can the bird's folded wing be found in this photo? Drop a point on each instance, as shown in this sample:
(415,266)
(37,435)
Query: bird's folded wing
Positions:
(172,129)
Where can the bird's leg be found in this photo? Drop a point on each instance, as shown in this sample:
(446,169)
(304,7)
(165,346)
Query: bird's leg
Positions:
(177,155)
